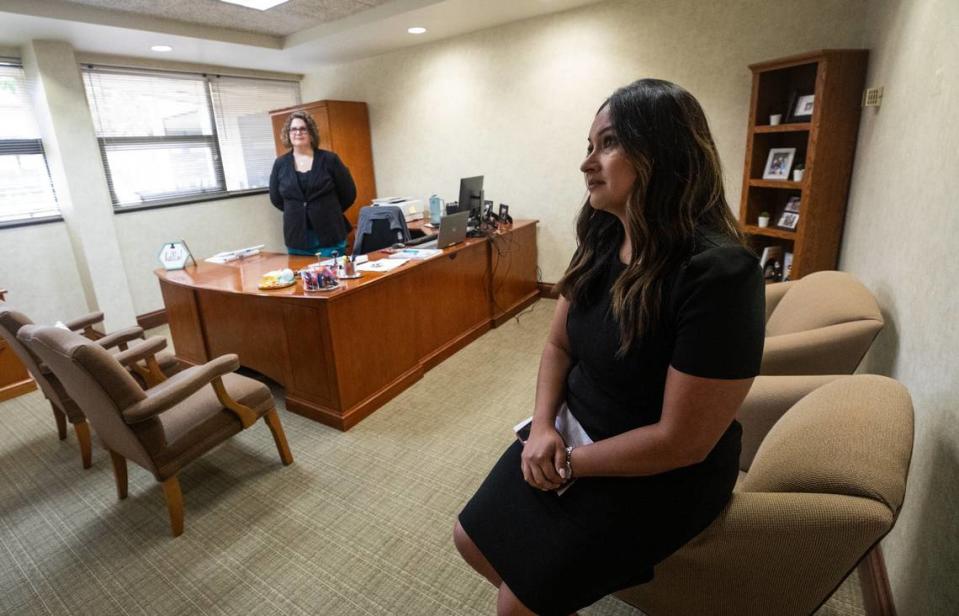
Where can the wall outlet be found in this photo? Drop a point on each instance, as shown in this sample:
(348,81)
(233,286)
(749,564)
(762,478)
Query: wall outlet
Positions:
(872,97)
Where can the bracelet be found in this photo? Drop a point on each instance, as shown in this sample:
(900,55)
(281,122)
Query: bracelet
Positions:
(569,464)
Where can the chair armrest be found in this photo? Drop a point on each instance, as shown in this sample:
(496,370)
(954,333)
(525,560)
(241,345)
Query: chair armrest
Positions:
(137,352)
(768,399)
(835,349)
(85,321)
(179,387)
(121,337)
(774,294)
(767,553)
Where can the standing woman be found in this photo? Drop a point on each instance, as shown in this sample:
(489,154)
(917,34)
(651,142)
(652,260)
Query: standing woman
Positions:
(656,338)
(313,188)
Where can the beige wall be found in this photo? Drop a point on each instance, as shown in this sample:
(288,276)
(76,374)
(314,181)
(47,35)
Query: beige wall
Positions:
(901,233)
(514,103)
(38,270)
(208,228)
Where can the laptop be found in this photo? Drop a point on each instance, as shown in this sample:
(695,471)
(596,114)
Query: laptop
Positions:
(452,231)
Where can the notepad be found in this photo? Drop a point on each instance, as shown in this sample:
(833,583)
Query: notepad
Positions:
(416,253)
(383,265)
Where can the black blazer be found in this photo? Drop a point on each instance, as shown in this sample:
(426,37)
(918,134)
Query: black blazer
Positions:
(329,191)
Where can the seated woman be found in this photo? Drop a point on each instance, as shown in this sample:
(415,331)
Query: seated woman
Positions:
(656,338)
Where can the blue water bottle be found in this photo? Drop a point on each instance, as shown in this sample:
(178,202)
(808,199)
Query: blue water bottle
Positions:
(436,209)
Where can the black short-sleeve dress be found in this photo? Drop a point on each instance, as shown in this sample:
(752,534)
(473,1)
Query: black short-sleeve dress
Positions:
(561,553)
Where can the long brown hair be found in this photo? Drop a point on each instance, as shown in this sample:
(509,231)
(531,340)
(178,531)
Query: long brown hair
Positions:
(678,191)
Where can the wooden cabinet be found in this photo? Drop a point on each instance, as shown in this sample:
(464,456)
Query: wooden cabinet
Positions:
(824,143)
(344,128)
(14,378)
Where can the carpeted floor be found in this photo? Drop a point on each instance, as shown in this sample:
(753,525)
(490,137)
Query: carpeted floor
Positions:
(359,524)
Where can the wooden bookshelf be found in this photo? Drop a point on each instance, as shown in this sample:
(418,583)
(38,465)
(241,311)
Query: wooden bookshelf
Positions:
(825,145)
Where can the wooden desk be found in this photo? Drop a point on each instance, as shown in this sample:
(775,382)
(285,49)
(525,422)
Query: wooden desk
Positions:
(14,378)
(342,354)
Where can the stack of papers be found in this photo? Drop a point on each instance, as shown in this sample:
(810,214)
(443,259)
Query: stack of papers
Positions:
(383,265)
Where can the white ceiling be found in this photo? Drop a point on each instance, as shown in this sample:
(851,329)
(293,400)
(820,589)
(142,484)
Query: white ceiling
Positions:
(368,31)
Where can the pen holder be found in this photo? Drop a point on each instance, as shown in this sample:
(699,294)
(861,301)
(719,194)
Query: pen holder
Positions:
(349,268)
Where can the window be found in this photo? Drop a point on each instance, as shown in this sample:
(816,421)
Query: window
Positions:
(169,138)
(26,192)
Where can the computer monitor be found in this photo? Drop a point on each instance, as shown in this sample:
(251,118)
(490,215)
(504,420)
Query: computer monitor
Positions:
(471,197)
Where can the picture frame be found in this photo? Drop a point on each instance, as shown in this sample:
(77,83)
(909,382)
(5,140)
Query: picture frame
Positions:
(788,220)
(801,107)
(503,212)
(779,163)
(792,205)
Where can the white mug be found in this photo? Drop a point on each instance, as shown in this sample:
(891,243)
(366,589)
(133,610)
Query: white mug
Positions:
(775,119)
(797,175)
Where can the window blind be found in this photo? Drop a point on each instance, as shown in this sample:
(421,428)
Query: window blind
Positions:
(26,191)
(166,138)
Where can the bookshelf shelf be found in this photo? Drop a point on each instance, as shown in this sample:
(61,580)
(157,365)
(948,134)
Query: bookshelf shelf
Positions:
(824,143)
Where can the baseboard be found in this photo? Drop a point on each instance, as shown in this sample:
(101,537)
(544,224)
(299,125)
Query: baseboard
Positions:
(874,582)
(152,319)
(547,290)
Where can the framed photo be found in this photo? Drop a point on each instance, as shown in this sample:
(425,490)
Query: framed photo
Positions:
(793,205)
(503,211)
(778,164)
(788,220)
(800,110)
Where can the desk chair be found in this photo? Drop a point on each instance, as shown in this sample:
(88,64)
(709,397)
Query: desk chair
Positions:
(165,427)
(379,227)
(822,323)
(824,487)
(139,358)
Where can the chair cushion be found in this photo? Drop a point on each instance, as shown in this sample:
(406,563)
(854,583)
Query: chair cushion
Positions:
(200,423)
(822,299)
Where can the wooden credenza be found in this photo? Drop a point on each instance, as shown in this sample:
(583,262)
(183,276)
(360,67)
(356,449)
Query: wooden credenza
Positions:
(344,128)
(342,354)
(14,378)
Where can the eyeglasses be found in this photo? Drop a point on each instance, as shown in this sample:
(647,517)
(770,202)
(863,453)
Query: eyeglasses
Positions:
(299,129)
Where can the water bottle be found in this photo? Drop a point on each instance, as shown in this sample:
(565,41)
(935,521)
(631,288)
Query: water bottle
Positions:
(436,209)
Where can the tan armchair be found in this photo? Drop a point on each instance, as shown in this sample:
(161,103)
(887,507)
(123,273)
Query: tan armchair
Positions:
(821,324)
(823,488)
(140,358)
(165,427)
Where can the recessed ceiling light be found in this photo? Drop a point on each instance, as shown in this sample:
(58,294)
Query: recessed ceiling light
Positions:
(416,30)
(161,48)
(260,5)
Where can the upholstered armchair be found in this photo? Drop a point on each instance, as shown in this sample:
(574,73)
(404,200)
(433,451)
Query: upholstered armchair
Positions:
(140,358)
(824,486)
(822,323)
(165,427)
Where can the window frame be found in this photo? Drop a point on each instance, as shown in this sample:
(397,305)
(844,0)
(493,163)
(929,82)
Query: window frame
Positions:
(28,147)
(212,141)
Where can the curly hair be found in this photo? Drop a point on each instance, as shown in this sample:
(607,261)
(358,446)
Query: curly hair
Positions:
(679,188)
(310,128)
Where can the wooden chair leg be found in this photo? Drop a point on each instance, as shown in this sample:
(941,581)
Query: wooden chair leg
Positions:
(61,420)
(174,504)
(272,419)
(119,473)
(82,429)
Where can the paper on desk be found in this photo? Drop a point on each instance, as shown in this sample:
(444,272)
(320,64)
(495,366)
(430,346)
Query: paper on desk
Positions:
(416,253)
(383,265)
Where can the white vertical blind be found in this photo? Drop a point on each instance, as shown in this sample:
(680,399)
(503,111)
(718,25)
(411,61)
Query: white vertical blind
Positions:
(173,137)
(26,191)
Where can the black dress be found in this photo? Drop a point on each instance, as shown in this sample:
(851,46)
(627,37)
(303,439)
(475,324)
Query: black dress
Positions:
(561,553)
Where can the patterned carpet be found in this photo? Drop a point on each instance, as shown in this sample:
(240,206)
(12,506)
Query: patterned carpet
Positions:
(359,524)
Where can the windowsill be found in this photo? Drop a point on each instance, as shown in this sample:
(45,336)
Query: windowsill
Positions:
(153,205)
(27,222)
